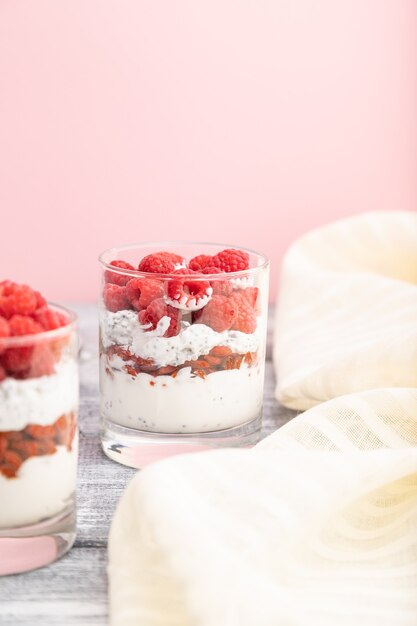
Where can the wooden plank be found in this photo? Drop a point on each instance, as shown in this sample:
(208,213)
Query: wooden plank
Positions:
(73,591)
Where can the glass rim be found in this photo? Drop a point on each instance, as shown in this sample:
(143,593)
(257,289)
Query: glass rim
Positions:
(148,244)
(45,335)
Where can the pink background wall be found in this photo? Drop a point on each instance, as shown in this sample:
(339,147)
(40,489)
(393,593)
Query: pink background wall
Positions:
(247,121)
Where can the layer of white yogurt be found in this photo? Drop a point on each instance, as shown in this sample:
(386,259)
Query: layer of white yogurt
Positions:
(39,400)
(43,488)
(123,328)
(184,404)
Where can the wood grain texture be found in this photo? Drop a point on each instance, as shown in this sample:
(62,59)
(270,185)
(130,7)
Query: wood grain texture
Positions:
(73,591)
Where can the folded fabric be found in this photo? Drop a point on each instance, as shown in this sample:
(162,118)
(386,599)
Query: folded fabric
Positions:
(315,526)
(347,314)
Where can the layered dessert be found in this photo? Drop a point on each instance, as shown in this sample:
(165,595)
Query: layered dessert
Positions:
(181,343)
(38,407)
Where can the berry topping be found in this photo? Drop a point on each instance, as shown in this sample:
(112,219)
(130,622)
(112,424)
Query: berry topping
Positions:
(142,291)
(24,311)
(220,287)
(231,260)
(22,325)
(115,298)
(4,327)
(114,277)
(16,299)
(200,262)
(161,263)
(40,300)
(17,361)
(50,319)
(188,294)
(245,320)
(251,295)
(156,311)
(220,313)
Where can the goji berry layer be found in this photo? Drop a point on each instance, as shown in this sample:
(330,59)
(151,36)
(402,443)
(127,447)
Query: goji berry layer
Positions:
(16,446)
(218,359)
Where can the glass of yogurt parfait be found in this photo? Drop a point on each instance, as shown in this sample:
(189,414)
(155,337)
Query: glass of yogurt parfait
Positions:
(182,348)
(38,429)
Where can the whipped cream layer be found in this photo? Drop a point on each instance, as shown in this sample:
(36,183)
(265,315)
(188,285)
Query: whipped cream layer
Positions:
(39,400)
(242,283)
(42,488)
(184,404)
(123,329)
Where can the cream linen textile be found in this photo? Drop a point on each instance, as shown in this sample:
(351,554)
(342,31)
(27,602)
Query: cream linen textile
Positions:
(315,526)
(347,314)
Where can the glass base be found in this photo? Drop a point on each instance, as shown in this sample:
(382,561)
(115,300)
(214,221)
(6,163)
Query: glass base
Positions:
(28,547)
(138,448)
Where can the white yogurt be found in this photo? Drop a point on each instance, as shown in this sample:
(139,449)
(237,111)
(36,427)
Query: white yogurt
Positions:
(122,328)
(184,404)
(39,400)
(242,283)
(190,304)
(42,488)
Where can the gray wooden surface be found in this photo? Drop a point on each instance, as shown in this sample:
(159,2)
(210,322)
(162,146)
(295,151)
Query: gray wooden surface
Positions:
(73,591)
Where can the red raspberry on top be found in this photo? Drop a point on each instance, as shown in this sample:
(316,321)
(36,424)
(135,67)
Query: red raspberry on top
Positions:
(231,260)
(220,313)
(50,319)
(161,263)
(4,332)
(40,301)
(16,299)
(4,327)
(114,277)
(115,298)
(200,262)
(245,320)
(23,325)
(156,311)
(141,291)
(7,287)
(186,293)
(220,287)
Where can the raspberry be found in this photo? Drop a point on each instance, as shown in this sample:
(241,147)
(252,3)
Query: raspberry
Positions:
(251,294)
(245,320)
(156,311)
(231,260)
(17,299)
(3,375)
(188,294)
(7,287)
(50,319)
(42,361)
(200,262)
(114,277)
(220,287)
(161,263)
(4,327)
(220,313)
(16,361)
(115,298)
(40,300)
(22,325)
(141,291)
